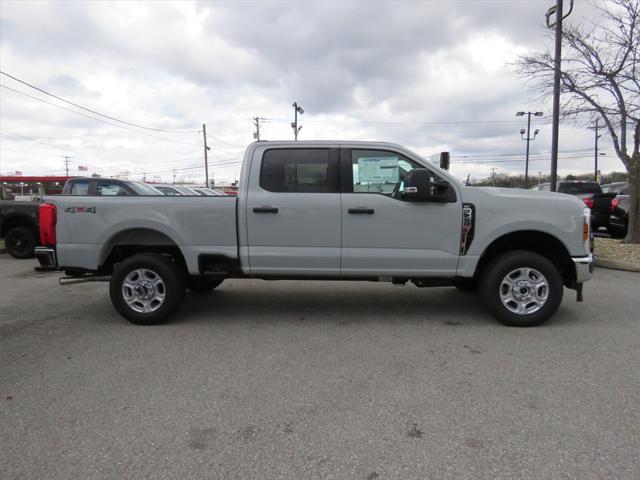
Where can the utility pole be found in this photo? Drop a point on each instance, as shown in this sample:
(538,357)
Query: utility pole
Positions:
(528,139)
(555,131)
(493,176)
(206,158)
(67,161)
(256,134)
(595,171)
(174,176)
(296,109)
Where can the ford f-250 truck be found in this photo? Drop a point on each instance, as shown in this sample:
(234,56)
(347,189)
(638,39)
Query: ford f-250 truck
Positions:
(332,211)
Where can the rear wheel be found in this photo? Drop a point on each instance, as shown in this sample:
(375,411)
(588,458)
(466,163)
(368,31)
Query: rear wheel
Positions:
(147,289)
(20,242)
(521,288)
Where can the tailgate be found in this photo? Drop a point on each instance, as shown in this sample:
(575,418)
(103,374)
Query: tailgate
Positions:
(602,203)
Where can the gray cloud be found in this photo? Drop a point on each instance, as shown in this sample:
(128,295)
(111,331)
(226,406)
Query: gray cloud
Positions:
(177,65)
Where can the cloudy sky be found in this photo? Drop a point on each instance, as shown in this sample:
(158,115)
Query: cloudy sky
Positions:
(432,75)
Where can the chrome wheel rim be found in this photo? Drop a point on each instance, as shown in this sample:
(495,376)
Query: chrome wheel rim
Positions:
(524,291)
(143,290)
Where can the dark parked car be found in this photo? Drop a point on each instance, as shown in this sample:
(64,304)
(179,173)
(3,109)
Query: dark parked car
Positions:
(619,218)
(107,187)
(19,227)
(592,196)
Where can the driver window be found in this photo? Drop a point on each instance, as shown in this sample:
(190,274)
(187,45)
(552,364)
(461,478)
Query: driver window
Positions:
(378,171)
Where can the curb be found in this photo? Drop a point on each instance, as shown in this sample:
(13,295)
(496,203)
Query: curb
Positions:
(613,265)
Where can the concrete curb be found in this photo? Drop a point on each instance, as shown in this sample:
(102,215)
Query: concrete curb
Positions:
(613,265)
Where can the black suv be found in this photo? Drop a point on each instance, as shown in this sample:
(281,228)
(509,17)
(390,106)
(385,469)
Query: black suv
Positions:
(591,194)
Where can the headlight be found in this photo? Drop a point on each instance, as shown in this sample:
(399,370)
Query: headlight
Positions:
(586,229)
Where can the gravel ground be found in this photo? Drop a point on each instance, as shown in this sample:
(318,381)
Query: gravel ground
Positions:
(611,249)
(316,380)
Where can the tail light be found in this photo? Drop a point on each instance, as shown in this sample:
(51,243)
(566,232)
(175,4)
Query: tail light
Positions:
(588,202)
(614,203)
(47,220)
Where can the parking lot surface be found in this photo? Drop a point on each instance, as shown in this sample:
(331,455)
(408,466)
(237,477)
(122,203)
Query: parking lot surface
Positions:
(297,380)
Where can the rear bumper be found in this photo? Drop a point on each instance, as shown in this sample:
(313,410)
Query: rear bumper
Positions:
(599,220)
(584,267)
(47,258)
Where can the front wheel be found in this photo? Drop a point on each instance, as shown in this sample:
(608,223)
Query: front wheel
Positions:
(521,288)
(147,289)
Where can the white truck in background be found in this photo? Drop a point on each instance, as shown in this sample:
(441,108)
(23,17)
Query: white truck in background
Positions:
(326,210)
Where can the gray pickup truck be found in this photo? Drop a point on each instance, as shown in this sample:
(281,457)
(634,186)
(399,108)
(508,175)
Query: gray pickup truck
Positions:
(327,211)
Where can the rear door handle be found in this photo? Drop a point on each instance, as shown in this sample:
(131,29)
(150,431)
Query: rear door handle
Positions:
(265,209)
(361,211)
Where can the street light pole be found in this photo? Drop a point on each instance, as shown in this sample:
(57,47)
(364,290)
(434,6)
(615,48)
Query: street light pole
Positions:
(296,109)
(206,158)
(557,61)
(528,139)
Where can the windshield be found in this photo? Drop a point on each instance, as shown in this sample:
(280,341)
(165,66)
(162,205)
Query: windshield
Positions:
(143,189)
(187,191)
(210,193)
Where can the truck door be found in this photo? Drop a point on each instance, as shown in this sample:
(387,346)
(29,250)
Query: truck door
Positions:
(382,234)
(293,212)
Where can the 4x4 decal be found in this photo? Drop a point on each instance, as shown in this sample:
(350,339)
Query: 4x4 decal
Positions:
(80,210)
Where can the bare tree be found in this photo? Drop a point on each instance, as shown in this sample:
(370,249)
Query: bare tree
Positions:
(600,64)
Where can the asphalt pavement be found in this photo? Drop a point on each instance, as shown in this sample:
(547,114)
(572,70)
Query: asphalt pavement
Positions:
(316,380)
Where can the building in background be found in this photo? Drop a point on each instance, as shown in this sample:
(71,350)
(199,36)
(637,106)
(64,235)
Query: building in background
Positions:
(19,185)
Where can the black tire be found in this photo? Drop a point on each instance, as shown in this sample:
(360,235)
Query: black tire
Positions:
(20,242)
(171,276)
(202,285)
(617,233)
(497,270)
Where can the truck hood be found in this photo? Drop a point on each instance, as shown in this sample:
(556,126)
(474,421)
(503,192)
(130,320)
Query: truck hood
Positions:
(536,196)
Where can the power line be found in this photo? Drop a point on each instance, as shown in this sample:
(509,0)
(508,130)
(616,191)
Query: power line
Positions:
(376,123)
(90,110)
(81,154)
(98,119)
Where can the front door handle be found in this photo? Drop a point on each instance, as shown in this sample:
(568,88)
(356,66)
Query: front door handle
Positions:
(265,209)
(361,211)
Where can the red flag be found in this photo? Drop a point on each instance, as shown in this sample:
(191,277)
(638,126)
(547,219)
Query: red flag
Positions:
(82,168)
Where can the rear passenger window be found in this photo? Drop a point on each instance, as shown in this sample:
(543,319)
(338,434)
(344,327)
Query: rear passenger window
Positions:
(79,188)
(110,189)
(306,170)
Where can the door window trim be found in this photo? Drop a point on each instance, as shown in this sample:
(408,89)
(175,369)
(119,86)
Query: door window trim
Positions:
(333,170)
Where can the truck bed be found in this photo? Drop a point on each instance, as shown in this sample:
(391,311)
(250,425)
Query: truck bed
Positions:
(90,226)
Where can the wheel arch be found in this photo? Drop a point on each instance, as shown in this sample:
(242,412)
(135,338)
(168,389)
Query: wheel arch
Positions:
(17,220)
(535,241)
(131,241)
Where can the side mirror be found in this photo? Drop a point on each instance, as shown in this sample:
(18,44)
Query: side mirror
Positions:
(419,186)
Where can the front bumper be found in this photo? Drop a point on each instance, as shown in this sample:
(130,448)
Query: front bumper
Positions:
(47,258)
(584,267)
